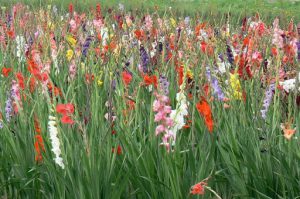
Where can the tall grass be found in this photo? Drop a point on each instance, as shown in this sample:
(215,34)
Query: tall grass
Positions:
(244,157)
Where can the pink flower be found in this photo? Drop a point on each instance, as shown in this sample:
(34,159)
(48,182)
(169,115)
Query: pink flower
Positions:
(159,116)
(156,105)
(169,122)
(159,129)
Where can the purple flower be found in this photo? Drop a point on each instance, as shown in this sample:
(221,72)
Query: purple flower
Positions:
(229,54)
(86,45)
(8,109)
(144,59)
(164,84)
(267,100)
(215,85)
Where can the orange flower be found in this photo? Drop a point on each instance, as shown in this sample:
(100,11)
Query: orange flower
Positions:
(6,71)
(180,75)
(11,34)
(148,80)
(205,111)
(37,125)
(288,133)
(38,144)
(139,34)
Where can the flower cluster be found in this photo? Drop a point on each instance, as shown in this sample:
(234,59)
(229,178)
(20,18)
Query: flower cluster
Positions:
(235,86)
(55,141)
(163,109)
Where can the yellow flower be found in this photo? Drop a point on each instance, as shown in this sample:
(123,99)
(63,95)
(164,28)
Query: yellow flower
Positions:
(100,82)
(51,25)
(173,22)
(235,86)
(71,40)
(190,73)
(69,54)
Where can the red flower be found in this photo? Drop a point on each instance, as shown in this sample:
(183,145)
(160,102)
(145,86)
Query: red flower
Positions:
(127,77)
(6,71)
(20,78)
(203,46)
(67,120)
(119,150)
(139,34)
(65,108)
(198,188)
(70,8)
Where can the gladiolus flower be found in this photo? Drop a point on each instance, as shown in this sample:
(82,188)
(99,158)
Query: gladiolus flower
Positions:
(119,150)
(148,80)
(205,111)
(6,71)
(127,77)
(67,120)
(65,108)
(198,189)
(69,54)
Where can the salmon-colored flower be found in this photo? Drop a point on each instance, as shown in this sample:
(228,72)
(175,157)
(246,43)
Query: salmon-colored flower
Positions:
(198,189)
(288,132)
(66,119)
(65,108)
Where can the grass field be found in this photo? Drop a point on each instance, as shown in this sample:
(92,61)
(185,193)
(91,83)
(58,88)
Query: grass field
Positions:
(148,101)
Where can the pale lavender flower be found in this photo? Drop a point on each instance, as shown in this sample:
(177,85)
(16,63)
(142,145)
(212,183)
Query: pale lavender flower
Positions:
(164,84)
(8,109)
(217,91)
(267,100)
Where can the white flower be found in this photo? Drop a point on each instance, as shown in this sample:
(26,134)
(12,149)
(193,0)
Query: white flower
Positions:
(20,50)
(55,141)
(180,112)
(289,84)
